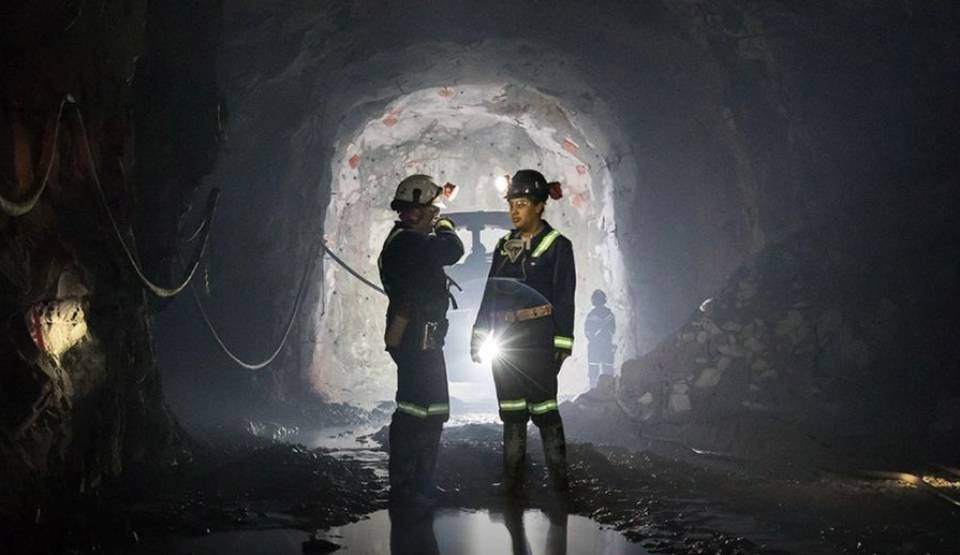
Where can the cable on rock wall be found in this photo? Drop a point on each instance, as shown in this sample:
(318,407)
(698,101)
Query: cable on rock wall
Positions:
(157,290)
(301,294)
(353,272)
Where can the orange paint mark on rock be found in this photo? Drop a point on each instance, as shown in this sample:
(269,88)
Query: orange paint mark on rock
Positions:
(391,119)
(355,161)
(577,200)
(581,169)
(446,92)
(570,146)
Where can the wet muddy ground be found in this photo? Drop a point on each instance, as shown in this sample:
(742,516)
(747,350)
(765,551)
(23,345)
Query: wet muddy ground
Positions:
(663,501)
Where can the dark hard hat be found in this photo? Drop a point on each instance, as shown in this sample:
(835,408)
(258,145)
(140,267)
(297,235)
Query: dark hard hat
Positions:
(528,183)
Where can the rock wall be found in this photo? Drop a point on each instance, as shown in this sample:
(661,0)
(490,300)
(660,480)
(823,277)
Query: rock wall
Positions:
(80,392)
(836,121)
(836,337)
(742,126)
(298,74)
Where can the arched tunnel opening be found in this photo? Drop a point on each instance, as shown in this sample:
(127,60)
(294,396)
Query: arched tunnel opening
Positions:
(473,135)
(197,198)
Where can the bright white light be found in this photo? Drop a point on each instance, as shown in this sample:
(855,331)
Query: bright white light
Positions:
(490,350)
(501,183)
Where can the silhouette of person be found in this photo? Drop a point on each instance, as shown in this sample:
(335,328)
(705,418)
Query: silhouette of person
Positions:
(599,329)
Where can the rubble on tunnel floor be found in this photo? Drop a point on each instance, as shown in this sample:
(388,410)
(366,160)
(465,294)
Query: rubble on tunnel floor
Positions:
(666,502)
(290,486)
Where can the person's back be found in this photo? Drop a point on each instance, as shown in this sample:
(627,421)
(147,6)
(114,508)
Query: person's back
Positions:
(411,270)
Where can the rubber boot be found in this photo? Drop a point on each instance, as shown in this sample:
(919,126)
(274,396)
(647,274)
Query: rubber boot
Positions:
(428,449)
(403,459)
(514,455)
(555,454)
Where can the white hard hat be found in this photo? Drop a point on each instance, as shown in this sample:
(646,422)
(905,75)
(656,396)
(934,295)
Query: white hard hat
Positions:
(418,189)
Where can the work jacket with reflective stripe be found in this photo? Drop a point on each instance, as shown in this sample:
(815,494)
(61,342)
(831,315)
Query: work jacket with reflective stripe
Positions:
(546,265)
(411,270)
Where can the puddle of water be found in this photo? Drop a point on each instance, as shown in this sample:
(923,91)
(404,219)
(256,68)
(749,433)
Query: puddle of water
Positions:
(448,531)
(339,437)
(464,532)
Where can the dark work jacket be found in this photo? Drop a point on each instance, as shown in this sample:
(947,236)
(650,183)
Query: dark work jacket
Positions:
(534,279)
(411,271)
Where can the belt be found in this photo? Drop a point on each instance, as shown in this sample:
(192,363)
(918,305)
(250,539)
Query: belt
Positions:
(523,314)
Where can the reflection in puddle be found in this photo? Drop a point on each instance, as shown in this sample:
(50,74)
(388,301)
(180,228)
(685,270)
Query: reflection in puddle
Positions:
(481,532)
(447,531)
(337,437)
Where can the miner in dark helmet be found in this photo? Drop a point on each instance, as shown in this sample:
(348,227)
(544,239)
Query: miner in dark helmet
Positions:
(411,270)
(525,327)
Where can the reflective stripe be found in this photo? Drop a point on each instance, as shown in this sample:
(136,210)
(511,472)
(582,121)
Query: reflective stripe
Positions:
(445,224)
(545,243)
(503,240)
(410,408)
(540,408)
(561,342)
(422,412)
(515,404)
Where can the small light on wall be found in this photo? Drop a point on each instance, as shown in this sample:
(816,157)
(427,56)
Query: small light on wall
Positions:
(57,325)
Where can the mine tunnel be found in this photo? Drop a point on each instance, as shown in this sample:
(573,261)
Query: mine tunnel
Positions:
(195,200)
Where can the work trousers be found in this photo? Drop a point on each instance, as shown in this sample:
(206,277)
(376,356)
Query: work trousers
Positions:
(422,408)
(596,369)
(525,372)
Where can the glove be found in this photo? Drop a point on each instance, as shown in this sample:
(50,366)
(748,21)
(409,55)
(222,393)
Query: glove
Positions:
(559,356)
(444,224)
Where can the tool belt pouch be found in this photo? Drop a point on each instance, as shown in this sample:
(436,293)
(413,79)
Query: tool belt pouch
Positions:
(433,334)
(393,337)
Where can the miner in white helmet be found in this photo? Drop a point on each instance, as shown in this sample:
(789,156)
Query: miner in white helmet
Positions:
(411,270)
